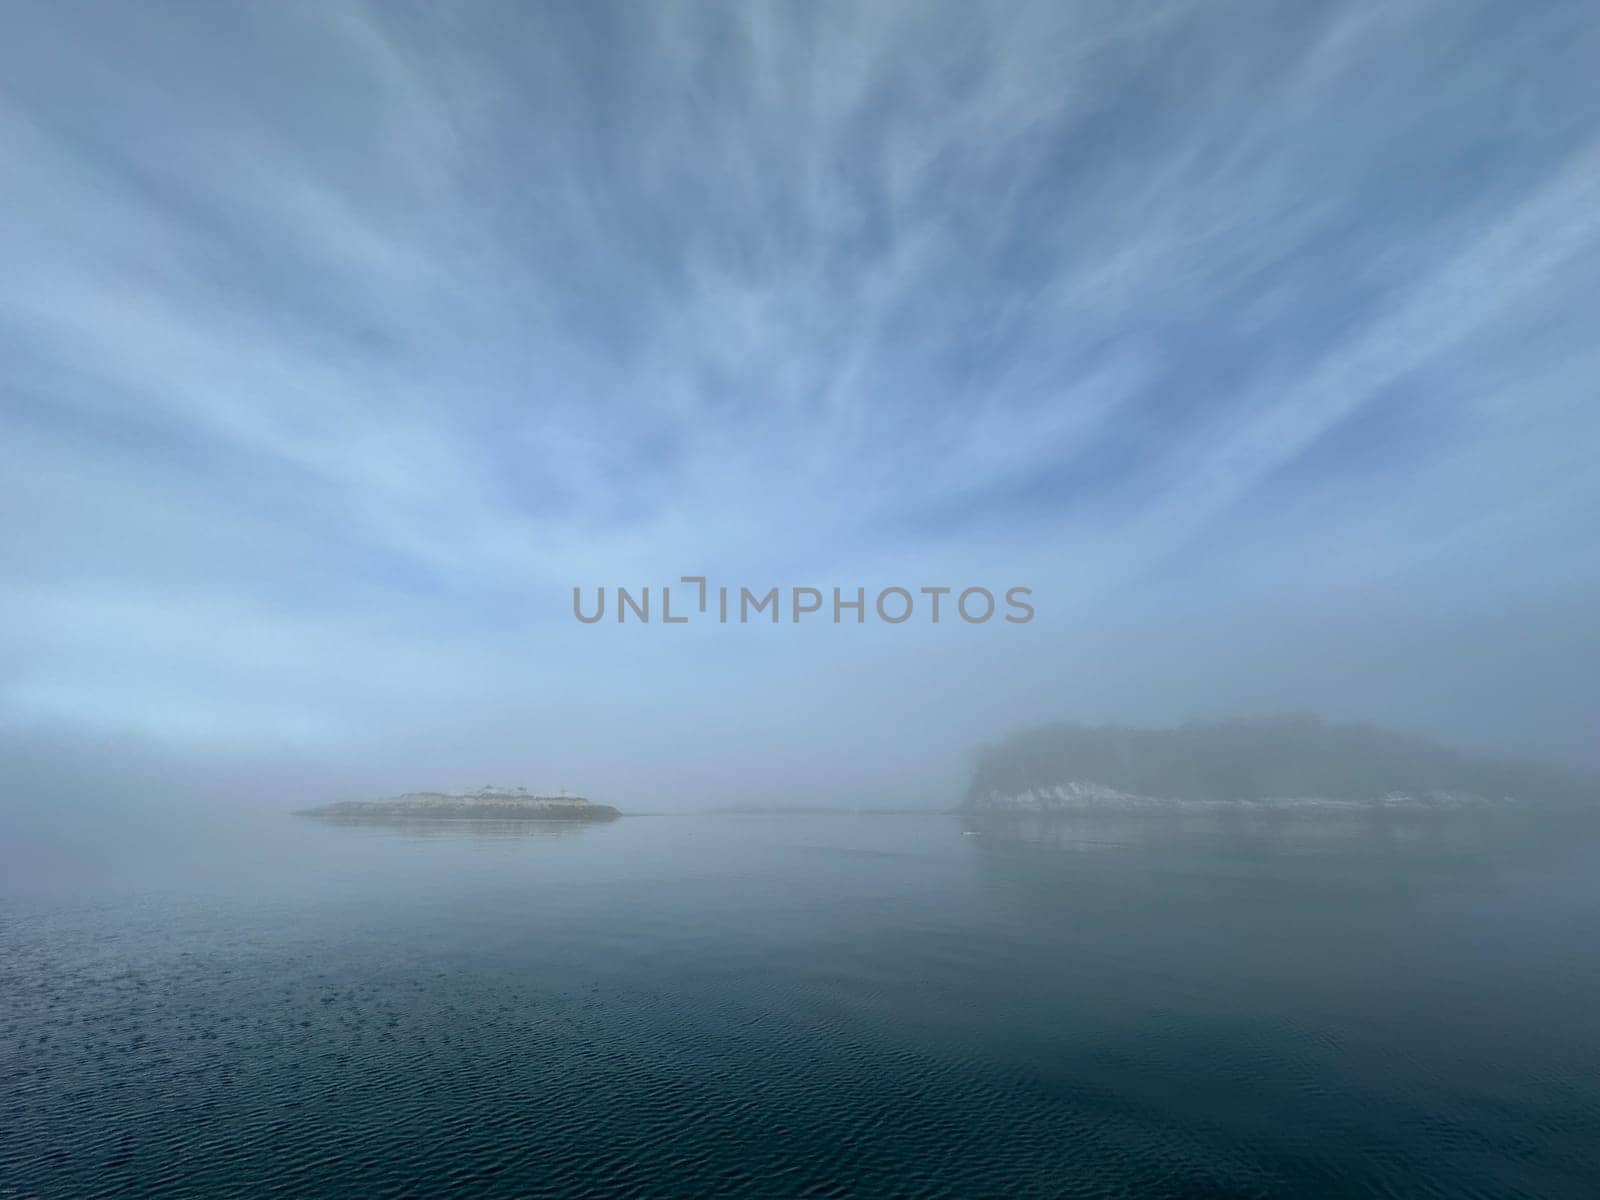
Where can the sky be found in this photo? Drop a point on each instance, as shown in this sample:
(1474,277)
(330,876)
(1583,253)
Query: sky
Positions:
(340,342)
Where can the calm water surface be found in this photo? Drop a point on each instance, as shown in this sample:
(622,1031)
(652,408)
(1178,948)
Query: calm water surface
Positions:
(807,1006)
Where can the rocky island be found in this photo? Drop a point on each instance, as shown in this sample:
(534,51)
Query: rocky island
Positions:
(1285,762)
(488,803)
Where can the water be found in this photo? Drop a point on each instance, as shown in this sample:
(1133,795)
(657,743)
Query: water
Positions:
(1211,1005)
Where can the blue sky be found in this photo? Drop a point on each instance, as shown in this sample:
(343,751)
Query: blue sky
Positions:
(341,341)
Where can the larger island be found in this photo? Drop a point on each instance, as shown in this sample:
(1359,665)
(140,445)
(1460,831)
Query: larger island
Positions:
(1272,762)
(487,803)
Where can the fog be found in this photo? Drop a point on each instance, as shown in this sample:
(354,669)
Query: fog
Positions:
(343,343)
(767,598)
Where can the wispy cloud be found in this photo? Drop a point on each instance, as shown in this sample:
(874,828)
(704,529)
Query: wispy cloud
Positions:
(339,343)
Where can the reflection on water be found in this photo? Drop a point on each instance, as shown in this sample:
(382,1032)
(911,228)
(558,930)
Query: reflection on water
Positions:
(1469,838)
(436,827)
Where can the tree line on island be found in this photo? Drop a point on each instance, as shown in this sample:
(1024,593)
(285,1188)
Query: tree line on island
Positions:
(1280,759)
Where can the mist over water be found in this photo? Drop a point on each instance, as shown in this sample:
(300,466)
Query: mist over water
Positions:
(1342,1004)
(553,428)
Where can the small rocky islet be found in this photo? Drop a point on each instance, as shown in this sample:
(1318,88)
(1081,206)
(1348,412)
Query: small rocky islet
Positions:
(487,803)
